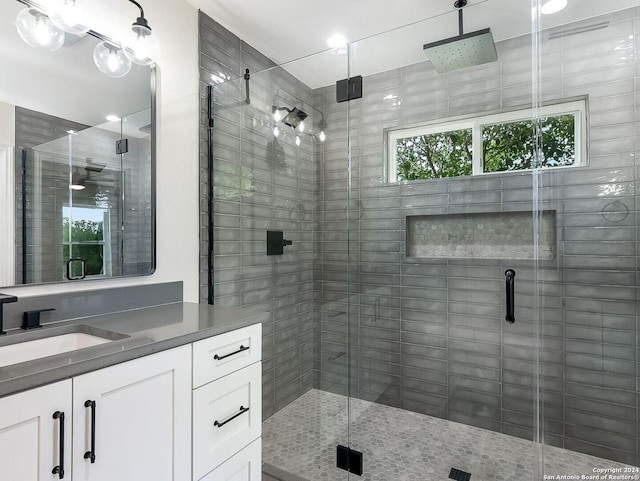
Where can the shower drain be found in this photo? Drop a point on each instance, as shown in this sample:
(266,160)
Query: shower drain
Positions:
(459,475)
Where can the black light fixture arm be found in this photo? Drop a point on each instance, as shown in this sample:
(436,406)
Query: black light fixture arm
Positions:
(141,21)
(139,6)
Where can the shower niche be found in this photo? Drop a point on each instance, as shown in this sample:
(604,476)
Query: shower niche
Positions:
(492,235)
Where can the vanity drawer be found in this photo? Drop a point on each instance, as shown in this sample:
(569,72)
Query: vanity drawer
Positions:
(227,416)
(243,466)
(221,355)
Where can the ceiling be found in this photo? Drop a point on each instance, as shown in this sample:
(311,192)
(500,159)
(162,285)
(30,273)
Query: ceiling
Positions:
(286,30)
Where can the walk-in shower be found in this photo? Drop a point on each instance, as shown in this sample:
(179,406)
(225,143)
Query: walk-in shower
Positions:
(460,295)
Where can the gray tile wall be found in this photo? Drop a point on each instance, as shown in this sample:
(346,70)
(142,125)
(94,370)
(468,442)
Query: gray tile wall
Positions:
(429,334)
(261,184)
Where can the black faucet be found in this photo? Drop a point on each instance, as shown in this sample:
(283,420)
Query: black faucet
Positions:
(5,299)
(31,319)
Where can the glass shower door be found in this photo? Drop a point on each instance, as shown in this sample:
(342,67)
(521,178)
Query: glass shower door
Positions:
(442,385)
(278,165)
(588,291)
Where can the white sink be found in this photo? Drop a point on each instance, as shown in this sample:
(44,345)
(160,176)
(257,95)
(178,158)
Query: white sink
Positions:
(48,346)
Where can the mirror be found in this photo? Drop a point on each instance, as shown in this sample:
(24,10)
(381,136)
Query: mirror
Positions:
(77,190)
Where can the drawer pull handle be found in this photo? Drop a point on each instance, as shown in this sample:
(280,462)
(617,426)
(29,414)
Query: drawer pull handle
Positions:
(239,413)
(59,469)
(91,455)
(242,348)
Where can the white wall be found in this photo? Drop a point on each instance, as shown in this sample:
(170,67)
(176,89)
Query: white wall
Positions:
(176,24)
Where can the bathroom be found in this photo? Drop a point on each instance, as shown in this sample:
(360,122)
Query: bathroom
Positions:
(392,335)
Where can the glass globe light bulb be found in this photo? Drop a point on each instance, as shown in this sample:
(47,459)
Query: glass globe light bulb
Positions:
(276,131)
(111,60)
(322,136)
(68,15)
(298,141)
(144,46)
(38,31)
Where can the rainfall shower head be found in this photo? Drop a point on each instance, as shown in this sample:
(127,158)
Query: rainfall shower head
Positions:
(463,50)
(294,118)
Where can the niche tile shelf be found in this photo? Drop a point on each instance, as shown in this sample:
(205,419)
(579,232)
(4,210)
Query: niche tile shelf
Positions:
(494,235)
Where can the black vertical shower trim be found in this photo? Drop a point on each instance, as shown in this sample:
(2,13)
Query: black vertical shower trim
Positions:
(210,296)
(24,216)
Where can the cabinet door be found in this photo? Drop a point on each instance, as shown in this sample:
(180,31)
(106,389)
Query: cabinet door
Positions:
(30,436)
(142,420)
(243,466)
(227,416)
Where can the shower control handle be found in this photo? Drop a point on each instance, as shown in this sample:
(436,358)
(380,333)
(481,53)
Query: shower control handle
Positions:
(510,276)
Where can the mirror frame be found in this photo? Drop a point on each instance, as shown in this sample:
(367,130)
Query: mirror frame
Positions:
(153,82)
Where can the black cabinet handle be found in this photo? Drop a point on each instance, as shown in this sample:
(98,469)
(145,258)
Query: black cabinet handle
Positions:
(242,348)
(510,276)
(59,469)
(219,424)
(92,454)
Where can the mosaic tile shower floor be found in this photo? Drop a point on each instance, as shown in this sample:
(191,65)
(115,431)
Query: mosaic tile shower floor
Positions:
(400,445)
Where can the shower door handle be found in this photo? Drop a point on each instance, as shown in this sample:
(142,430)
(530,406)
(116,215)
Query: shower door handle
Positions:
(510,276)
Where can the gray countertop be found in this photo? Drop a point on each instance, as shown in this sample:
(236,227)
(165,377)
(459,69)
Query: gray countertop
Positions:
(138,333)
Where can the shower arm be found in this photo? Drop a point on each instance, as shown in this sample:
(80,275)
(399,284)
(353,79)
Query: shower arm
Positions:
(460,4)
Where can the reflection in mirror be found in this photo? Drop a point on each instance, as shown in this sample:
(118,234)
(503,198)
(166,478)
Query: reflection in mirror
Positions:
(76,163)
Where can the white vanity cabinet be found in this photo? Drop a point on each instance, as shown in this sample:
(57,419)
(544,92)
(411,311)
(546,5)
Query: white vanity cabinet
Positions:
(141,428)
(133,421)
(30,435)
(227,406)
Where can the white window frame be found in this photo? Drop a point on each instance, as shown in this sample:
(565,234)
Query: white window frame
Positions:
(576,107)
(105,242)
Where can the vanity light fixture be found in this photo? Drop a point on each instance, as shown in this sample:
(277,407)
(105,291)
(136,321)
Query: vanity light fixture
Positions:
(45,29)
(144,46)
(111,60)
(67,15)
(38,31)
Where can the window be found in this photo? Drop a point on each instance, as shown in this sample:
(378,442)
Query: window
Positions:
(488,144)
(85,235)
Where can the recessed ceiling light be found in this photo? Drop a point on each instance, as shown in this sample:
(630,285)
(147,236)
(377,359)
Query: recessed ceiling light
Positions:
(113,118)
(336,41)
(553,6)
